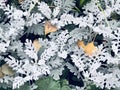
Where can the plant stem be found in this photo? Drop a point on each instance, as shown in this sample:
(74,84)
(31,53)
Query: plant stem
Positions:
(103,14)
(32,6)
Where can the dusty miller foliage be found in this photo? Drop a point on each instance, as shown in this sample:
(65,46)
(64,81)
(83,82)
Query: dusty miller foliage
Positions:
(60,48)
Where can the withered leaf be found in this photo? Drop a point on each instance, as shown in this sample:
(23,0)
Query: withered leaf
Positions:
(36,44)
(89,49)
(49,27)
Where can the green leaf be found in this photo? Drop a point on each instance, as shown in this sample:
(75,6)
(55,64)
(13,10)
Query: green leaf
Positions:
(65,85)
(24,87)
(64,82)
(65,88)
(93,87)
(81,2)
(48,83)
(5,89)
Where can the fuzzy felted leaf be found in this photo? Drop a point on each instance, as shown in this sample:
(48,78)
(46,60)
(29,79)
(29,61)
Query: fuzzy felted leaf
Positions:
(36,44)
(57,72)
(49,27)
(36,29)
(89,49)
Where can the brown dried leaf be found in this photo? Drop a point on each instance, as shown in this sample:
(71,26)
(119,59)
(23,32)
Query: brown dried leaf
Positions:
(1,73)
(7,70)
(20,1)
(49,27)
(89,49)
(36,44)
